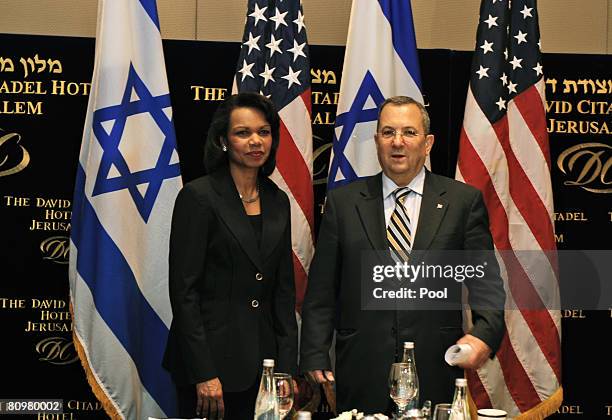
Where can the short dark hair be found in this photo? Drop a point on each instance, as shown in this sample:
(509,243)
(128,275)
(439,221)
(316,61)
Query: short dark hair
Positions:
(406,100)
(214,156)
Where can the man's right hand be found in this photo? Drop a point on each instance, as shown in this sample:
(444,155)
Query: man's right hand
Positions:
(322,376)
(210,399)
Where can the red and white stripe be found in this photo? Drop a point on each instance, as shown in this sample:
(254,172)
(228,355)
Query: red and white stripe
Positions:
(509,162)
(294,175)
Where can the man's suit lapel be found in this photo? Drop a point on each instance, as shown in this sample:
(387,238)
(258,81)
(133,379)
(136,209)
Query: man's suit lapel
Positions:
(433,209)
(231,212)
(372,213)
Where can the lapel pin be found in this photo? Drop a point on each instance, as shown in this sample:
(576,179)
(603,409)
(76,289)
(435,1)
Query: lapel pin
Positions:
(439,206)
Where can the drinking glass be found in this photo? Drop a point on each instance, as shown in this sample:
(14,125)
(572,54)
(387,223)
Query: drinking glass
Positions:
(402,385)
(442,411)
(284,393)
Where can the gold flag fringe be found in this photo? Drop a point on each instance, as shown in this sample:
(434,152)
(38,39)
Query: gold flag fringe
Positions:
(545,408)
(91,379)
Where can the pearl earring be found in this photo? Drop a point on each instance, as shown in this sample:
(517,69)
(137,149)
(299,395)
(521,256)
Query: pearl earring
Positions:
(224,148)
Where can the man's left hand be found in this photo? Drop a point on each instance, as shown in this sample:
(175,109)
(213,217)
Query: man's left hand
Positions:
(480,354)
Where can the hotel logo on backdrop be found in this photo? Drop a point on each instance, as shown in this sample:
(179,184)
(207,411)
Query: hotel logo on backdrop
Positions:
(45,318)
(580,108)
(28,69)
(55,212)
(57,350)
(584,109)
(56,249)
(14,157)
(31,65)
(46,215)
(588,166)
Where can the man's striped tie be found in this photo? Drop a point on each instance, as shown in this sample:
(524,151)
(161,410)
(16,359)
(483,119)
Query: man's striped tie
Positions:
(399,234)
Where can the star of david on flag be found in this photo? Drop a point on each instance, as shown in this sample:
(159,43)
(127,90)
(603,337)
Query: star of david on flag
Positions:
(379,63)
(127,180)
(114,173)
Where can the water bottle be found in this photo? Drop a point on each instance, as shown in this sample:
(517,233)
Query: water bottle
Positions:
(266,404)
(459,408)
(408,357)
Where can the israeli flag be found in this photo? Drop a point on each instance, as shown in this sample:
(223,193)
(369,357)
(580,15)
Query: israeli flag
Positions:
(128,177)
(380,61)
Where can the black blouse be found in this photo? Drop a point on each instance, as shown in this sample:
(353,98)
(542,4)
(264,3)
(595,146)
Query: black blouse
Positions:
(256,223)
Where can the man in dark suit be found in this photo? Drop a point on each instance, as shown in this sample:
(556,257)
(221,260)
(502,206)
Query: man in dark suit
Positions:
(439,214)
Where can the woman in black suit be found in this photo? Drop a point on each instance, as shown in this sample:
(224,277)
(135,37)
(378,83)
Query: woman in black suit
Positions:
(231,267)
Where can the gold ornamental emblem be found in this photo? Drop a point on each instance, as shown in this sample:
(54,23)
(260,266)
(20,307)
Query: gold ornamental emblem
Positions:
(56,249)
(588,165)
(13,156)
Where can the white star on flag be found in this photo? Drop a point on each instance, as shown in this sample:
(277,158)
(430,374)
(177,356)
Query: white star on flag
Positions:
(491,21)
(300,21)
(504,79)
(511,87)
(482,72)
(258,14)
(246,70)
(516,62)
(297,50)
(487,46)
(278,19)
(501,104)
(267,74)
(273,45)
(538,69)
(521,37)
(292,77)
(526,12)
(252,43)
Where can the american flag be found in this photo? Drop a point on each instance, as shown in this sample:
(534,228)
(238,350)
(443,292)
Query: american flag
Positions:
(504,152)
(274,61)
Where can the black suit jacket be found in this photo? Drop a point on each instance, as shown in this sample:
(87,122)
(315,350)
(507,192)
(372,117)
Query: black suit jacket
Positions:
(233,302)
(452,217)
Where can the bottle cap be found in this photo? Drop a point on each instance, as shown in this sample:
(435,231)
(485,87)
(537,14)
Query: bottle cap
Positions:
(408,344)
(268,362)
(461,382)
(303,415)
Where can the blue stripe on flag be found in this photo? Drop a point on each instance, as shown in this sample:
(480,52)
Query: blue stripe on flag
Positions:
(151,9)
(119,301)
(358,113)
(399,15)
